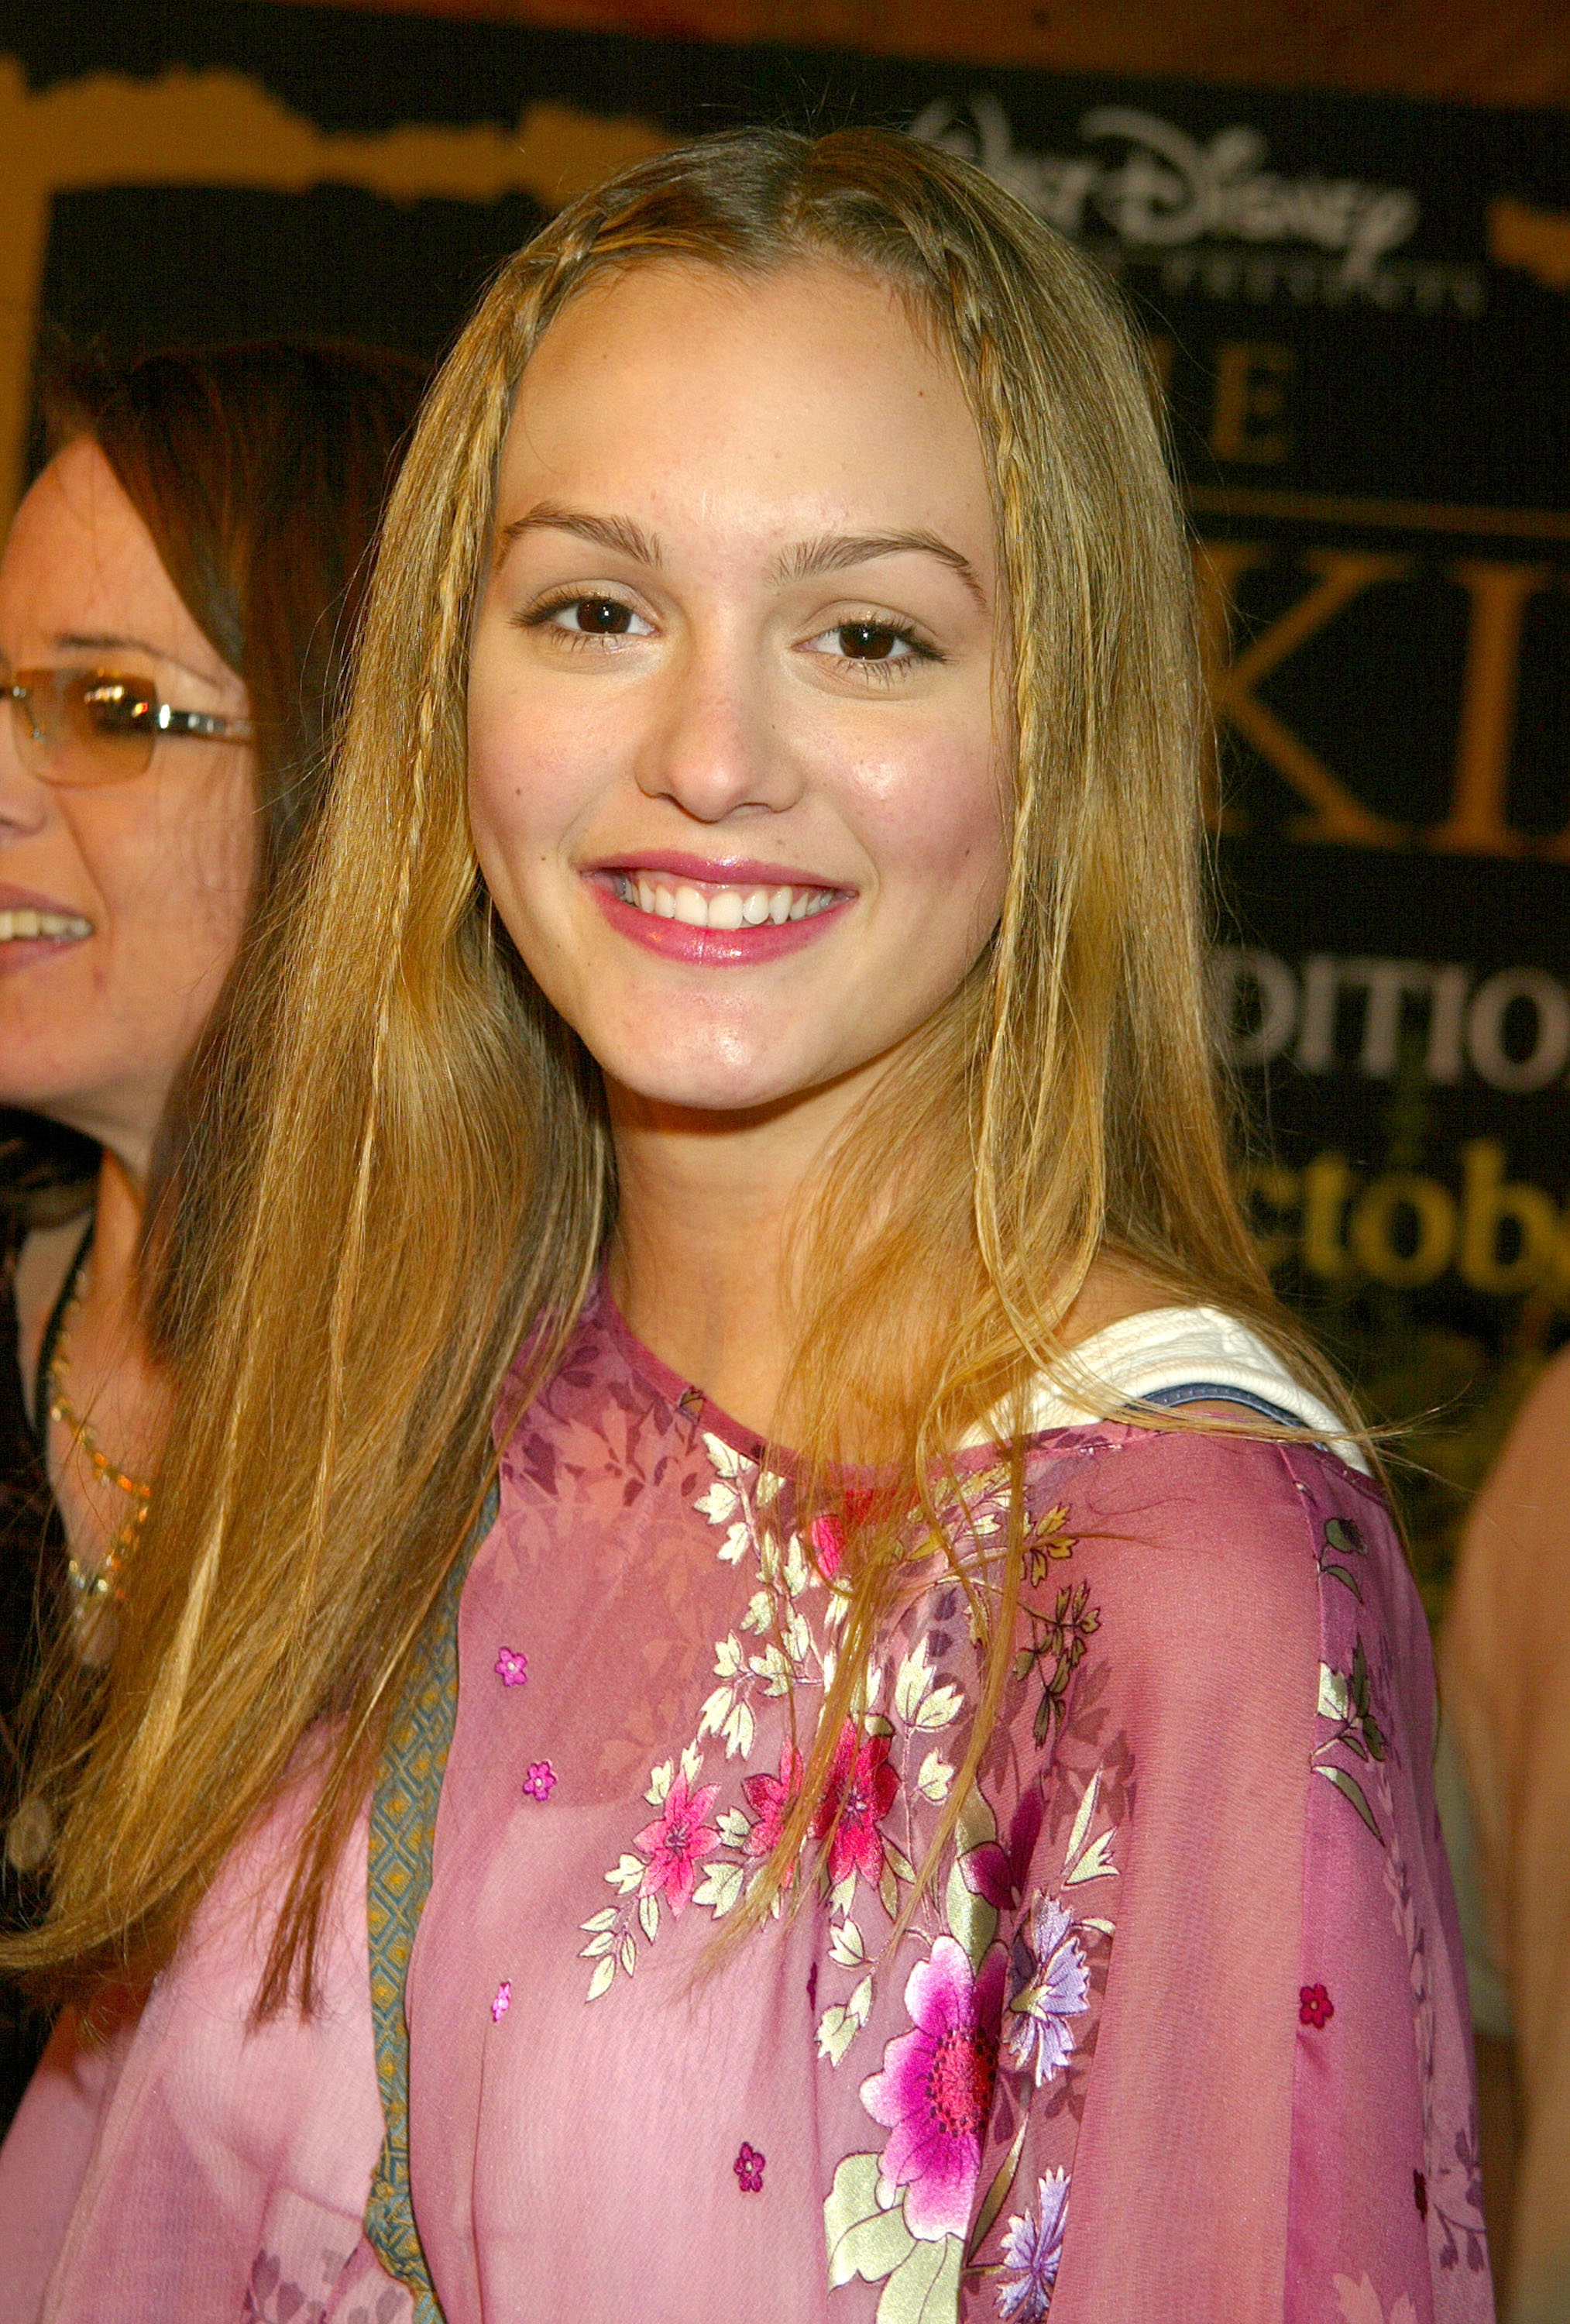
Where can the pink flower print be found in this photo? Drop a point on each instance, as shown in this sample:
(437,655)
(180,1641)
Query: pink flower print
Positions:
(770,1798)
(540,1781)
(934,2094)
(748,2168)
(1315,2007)
(511,1669)
(827,1536)
(862,1787)
(676,1841)
(503,2001)
(827,1532)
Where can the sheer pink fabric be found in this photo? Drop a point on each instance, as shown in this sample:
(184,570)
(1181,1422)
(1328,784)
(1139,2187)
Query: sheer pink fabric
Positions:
(1177,2033)
(196,2168)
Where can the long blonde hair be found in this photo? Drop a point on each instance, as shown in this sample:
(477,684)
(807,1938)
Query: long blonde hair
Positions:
(419,1174)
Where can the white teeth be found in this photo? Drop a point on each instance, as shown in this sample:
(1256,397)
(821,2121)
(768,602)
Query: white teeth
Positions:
(22,923)
(725,908)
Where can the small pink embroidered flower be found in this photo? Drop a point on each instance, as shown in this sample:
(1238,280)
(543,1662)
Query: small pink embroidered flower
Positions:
(511,1669)
(540,1779)
(1315,2007)
(676,1841)
(748,2168)
(503,2001)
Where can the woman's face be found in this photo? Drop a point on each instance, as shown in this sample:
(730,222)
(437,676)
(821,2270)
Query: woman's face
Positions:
(146,882)
(736,780)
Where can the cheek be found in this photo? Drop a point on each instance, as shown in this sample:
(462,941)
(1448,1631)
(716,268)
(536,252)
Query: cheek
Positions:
(531,783)
(938,827)
(176,872)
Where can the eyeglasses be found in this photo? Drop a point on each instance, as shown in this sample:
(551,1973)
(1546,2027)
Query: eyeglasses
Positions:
(78,727)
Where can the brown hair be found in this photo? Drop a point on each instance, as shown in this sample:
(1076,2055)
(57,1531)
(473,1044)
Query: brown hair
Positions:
(420,1175)
(261,470)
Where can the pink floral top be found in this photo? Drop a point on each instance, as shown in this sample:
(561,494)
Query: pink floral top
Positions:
(1178,2034)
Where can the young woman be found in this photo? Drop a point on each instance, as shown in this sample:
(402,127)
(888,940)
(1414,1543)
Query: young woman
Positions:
(175,598)
(936,1815)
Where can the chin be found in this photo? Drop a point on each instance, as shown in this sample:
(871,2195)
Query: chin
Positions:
(708,1085)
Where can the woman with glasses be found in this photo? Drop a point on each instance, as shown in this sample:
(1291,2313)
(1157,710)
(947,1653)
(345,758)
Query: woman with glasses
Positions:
(768,1694)
(176,595)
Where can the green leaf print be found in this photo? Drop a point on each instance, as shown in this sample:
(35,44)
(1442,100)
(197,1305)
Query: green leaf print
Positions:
(924,2289)
(1353,1790)
(972,1920)
(997,2193)
(865,2238)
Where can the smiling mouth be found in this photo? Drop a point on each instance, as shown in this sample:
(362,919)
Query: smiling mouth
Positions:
(659,897)
(24,925)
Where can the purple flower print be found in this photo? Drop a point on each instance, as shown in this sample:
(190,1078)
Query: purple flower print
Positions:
(540,1780)
(748,2168)
(511,1668)
(1050,1984)
(503,2001)
(934,2094)
(1032,2248)
(677,1841)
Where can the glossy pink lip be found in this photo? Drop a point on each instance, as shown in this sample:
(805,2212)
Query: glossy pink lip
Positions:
(714,947)
(708,872)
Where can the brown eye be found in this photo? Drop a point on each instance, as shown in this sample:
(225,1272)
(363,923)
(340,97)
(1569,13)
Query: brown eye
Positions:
(600,617)
(866,640)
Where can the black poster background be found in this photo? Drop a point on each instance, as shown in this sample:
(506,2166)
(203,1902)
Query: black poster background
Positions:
(1362,309)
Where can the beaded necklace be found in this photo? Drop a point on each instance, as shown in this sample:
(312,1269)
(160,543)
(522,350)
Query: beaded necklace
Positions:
(90,1582)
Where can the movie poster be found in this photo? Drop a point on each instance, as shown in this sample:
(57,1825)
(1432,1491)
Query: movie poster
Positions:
(1361,312)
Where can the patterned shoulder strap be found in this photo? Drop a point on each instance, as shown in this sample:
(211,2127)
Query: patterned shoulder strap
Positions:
(403,1821)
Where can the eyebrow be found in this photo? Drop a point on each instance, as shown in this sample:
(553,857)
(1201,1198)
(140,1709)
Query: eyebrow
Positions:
(84,641)
(830,552)
(614,532)
(834,552)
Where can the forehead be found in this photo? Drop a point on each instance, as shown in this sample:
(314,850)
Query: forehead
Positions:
(805,394)
(80,561)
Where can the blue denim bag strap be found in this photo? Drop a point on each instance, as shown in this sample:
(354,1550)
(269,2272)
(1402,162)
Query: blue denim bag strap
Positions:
(403,1822)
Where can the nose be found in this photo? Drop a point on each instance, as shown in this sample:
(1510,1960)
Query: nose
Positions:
(24,801)
(712,746)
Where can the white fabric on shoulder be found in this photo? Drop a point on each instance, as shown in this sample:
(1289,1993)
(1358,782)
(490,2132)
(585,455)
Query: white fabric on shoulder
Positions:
(1149,1356)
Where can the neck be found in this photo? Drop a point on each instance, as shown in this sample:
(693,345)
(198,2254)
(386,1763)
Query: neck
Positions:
(112,1292)
(697,1261)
